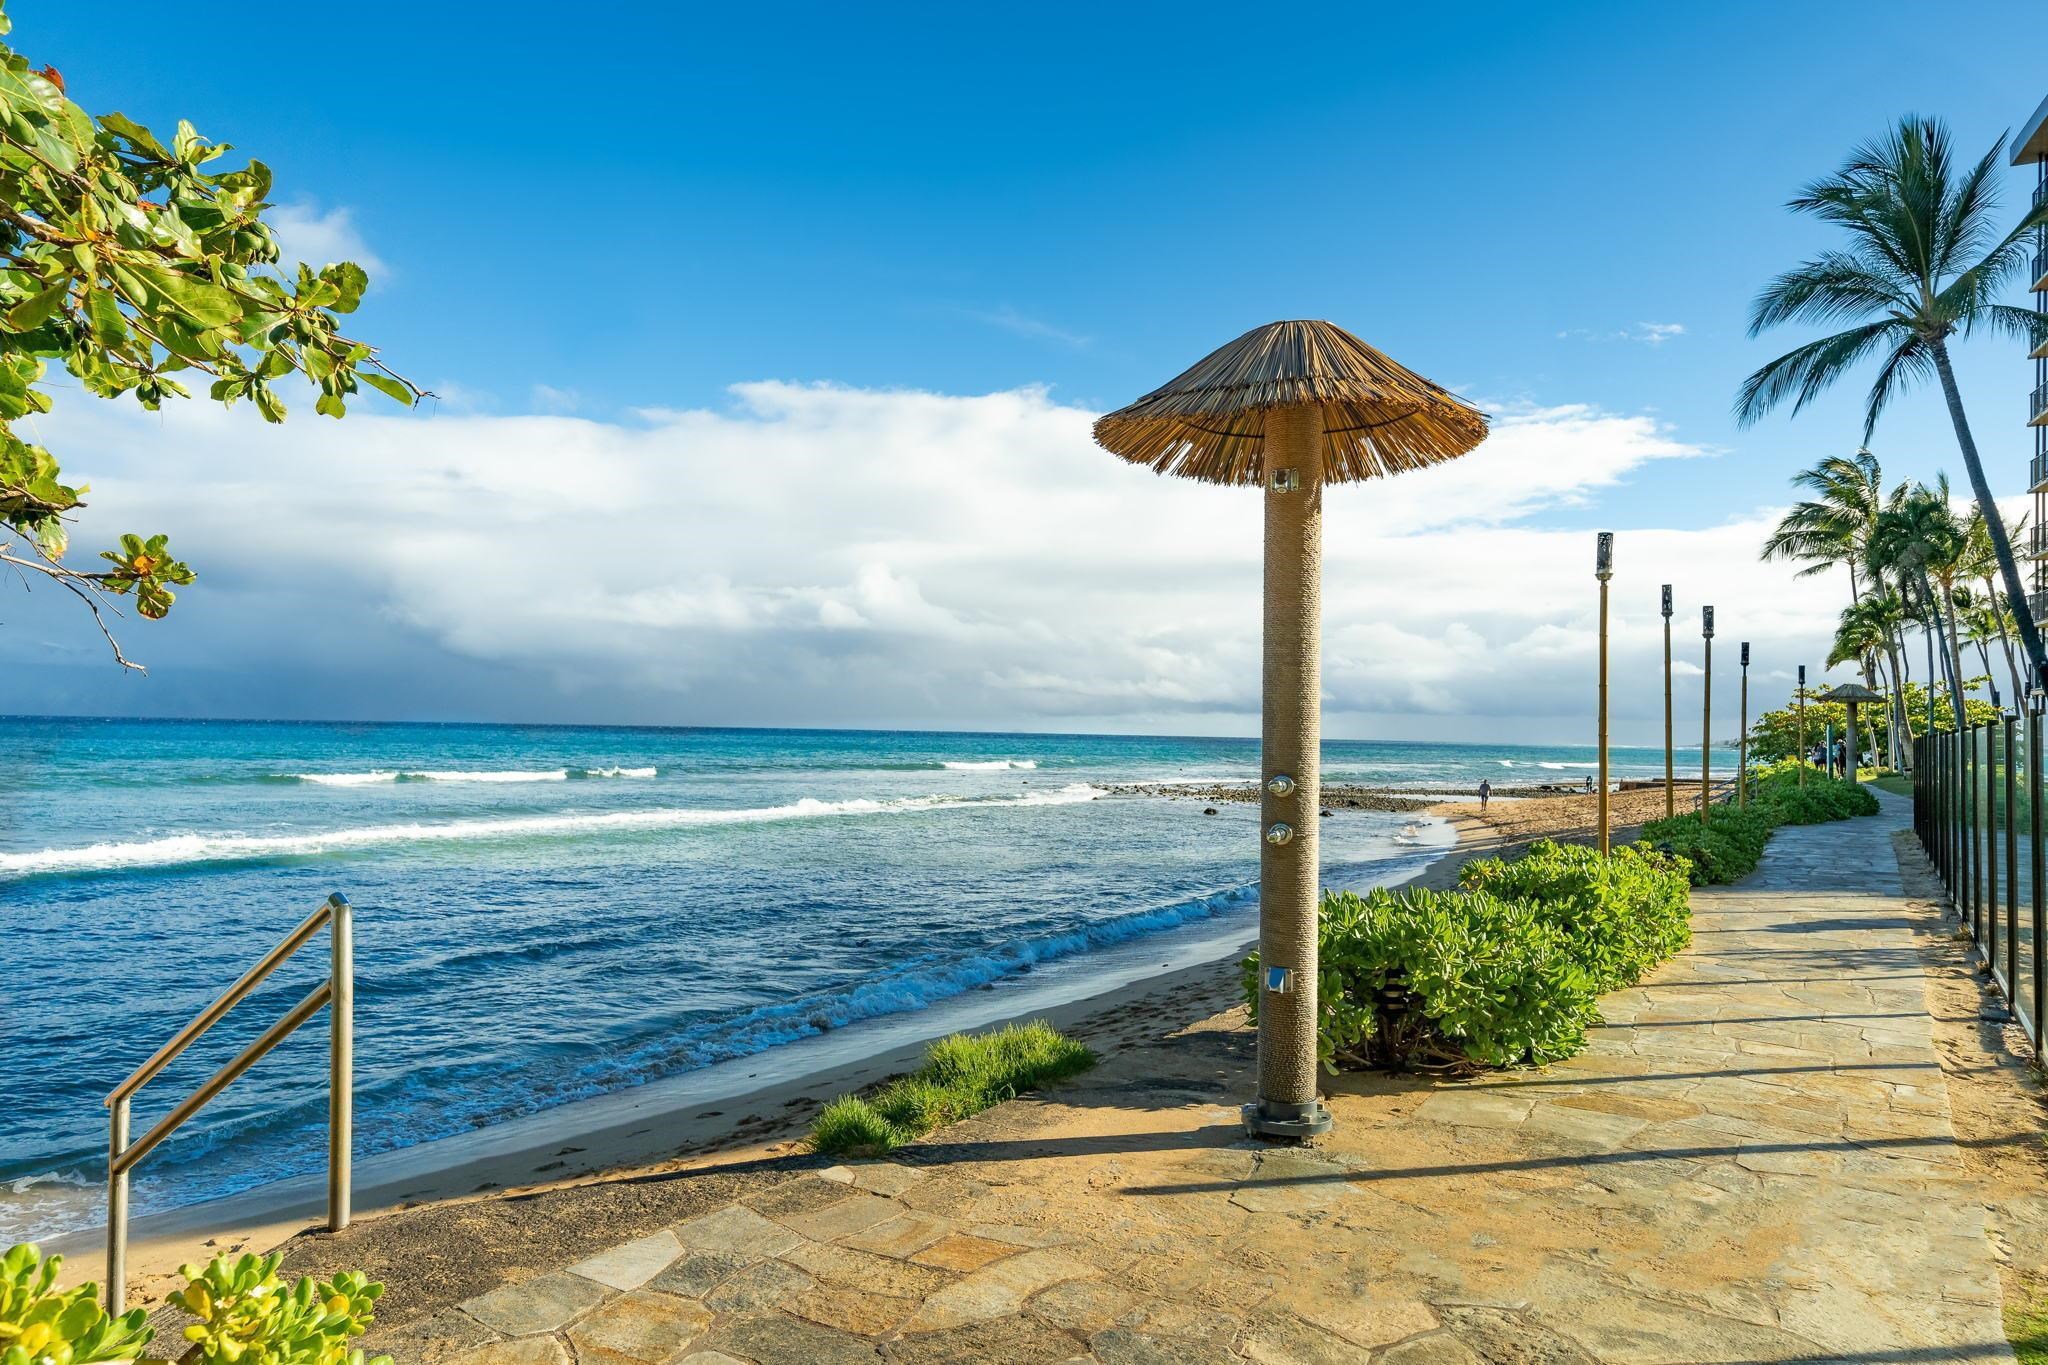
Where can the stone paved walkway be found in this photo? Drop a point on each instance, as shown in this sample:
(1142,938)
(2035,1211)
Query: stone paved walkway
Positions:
(1753,1161)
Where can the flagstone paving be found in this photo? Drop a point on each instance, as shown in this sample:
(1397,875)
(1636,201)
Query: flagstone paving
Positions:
(1753,1160)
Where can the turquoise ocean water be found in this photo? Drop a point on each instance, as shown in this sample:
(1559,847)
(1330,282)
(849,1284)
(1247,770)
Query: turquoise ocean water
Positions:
(550,913)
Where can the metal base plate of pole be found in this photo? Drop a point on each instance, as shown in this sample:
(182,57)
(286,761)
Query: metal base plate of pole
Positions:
(1270,1118)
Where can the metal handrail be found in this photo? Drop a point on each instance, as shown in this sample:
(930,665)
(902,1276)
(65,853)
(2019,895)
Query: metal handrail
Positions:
(338,991)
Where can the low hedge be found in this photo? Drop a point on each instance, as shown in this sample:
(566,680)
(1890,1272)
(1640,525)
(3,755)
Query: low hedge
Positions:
(1621,915)
(1728,846)
(1499,973)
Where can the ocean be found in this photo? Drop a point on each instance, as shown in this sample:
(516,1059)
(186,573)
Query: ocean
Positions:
(549,913)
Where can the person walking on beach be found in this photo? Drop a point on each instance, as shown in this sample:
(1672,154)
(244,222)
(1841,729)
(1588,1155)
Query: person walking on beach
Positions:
(1485,791)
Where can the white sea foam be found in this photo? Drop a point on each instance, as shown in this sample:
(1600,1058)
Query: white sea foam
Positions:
(465,775)
(992,765)
(1567,765)
(178,849)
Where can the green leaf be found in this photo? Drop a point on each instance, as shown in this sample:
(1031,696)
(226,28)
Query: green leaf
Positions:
(105,313)
(386,385)
(349,281)
(330,405)
(137,135)
(269,404)
(201,300)
(38,309)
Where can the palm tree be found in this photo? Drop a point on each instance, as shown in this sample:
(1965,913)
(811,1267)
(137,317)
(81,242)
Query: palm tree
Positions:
(1834,526)
(1886,613)
(1924,263)
(1925,544)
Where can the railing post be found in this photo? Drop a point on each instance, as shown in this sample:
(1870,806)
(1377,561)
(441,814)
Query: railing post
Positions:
(117,1210)
(1986,849)
(2034,853)
(341,1064)
(2012,867)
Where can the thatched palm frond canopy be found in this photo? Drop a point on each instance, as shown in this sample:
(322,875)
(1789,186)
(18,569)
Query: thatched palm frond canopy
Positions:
(1379,418)
(1851,691)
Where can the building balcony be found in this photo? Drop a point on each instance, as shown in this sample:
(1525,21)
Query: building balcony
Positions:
(2037,482)
(2039,352)
(2040,284)
(2037,408)
(2041,194)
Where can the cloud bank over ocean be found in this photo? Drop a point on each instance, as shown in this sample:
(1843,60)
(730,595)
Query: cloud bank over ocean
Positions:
(816,554)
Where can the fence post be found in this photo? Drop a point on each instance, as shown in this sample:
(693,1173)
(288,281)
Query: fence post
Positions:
(341,1064)
(2012,867)
(1987,846)
(2034,858)
(117,1210)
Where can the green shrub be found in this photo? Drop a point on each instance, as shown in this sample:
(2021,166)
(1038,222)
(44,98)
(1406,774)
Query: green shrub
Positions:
(245,1315)
(40,1322)
(1620,915)
(1724,848)
(1822,799)
(961,1076)
(1443,981)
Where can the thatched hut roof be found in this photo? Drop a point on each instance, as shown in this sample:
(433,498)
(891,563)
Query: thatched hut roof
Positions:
(1851,691)
(1379,418)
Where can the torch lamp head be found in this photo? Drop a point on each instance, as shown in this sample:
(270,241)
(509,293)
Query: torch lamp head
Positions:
(1603,556)
(1667,601)
(1745,654)
(1707,622)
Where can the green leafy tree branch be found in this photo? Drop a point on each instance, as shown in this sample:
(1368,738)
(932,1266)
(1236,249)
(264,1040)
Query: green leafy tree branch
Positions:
(143,272)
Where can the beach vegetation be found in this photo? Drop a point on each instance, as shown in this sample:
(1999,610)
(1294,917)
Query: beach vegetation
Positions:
(961,1076)
(243,1314)
(143,267)
(1501,972)
(39,1321)
(1620,915)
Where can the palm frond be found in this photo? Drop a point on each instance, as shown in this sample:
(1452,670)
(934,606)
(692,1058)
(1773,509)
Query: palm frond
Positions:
(1803,373)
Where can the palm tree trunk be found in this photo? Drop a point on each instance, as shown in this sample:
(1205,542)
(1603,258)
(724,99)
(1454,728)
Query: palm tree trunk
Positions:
(1900,720)
(2019,689)
(1951,670)
(1954,640)
(1984,657)
(2008,569)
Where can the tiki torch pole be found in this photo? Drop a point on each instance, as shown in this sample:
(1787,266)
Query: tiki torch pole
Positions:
(1603,569)
(1742,755)
(1706,711)
(1670,788)
(1802,725)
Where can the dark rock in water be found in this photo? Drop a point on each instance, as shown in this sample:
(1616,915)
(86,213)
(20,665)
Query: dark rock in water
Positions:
(820,1023)
(986,986)
(1208,810)
(1325,814)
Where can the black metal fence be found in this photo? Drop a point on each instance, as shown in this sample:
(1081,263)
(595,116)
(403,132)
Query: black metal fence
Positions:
(1977,810)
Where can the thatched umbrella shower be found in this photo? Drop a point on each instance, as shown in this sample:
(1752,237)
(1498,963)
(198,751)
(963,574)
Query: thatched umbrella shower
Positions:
(1853,694)
(1288,408)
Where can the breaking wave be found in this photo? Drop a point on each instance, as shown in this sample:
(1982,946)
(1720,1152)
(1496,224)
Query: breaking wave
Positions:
(181,849)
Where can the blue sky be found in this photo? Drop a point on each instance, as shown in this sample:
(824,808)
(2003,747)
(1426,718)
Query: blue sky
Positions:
(1539,205)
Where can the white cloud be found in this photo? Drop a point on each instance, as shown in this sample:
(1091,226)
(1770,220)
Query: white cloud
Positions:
(819,554)
(319,237)
(1024,325)
(1643,333)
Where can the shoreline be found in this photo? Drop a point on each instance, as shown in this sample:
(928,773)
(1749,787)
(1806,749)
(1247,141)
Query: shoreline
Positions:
(748,1108)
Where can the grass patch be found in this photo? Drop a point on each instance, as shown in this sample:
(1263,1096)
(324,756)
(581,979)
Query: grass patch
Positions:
(961,1076)
(2026,1327)
(1898,784)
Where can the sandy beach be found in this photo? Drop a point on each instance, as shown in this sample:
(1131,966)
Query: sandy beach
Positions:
(760,1108)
